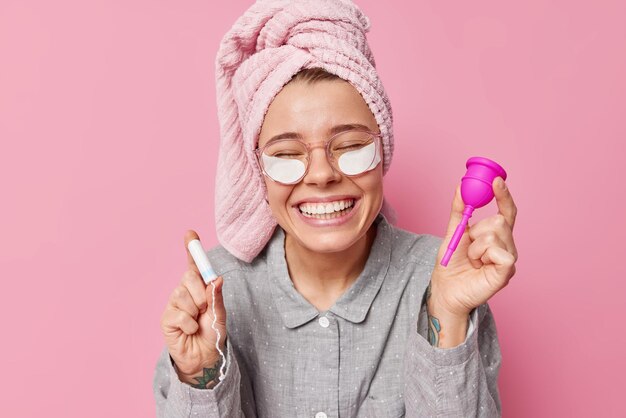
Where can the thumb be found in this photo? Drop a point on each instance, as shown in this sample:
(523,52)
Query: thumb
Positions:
(220,310)
(190,235)
(456,213)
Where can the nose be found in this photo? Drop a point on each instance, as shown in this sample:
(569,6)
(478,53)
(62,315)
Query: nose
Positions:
(321,172)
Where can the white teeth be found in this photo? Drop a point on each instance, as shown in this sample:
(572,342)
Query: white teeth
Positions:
(325,208)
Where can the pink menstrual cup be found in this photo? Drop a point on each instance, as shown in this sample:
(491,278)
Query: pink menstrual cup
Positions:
(476,191)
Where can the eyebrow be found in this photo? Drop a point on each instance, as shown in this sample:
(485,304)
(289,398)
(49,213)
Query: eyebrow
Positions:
(332,131)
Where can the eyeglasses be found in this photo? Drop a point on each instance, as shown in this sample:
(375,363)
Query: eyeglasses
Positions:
(351,152)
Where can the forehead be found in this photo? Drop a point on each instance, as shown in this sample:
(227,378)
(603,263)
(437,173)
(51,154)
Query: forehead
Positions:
(312,110)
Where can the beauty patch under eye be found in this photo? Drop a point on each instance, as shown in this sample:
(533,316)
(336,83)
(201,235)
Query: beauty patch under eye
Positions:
(209,276)
(356,162)
(284,170)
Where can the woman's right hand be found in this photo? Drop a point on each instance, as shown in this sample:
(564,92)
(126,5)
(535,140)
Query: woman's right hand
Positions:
(186,321)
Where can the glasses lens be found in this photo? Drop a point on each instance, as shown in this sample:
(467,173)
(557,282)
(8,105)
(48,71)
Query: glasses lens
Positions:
(284,161)
(355,152)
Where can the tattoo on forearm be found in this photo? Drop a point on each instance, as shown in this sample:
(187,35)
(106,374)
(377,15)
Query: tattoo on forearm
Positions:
(209,378)
(434,327)
(433,331)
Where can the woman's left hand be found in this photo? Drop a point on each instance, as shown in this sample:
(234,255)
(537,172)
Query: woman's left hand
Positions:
(483,262)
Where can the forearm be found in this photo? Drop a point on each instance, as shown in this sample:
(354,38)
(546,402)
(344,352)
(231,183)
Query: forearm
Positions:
(444,329)
(457,381)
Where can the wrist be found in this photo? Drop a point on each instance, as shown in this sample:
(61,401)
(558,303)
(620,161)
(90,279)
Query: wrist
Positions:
(206,377)
(443,306)
(443,313)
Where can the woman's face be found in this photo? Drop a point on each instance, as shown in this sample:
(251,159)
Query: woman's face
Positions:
(312,110)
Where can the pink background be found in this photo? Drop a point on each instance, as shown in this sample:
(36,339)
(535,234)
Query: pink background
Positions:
(109,131)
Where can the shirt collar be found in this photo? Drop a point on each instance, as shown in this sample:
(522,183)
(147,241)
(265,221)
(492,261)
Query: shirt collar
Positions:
(356,301)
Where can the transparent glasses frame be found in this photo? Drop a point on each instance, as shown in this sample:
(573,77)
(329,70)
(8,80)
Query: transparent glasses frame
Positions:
(311,146)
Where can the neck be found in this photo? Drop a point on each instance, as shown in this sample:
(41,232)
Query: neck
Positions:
(323,277)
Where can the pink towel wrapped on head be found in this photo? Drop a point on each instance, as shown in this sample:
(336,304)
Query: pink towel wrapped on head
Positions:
(265,48)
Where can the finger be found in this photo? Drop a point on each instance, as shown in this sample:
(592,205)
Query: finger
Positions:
(478,248)
(498,225)
(174,321)
(503,263)
(220,310)
(190,235)
(506,205)
(196,288)
(181,299)
(456,212)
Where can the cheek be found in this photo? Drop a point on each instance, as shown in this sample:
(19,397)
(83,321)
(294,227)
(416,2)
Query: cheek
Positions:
(372,184)
(277,194)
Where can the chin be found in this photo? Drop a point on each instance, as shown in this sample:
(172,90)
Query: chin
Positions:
(328,243)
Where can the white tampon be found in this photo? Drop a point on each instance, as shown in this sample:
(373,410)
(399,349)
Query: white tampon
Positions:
(202,261)
(208,275)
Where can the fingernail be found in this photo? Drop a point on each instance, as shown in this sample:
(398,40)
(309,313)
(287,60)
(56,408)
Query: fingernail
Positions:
(501,183)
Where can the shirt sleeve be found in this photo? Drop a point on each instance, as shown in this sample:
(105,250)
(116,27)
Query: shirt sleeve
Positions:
(458,381)
(175,398)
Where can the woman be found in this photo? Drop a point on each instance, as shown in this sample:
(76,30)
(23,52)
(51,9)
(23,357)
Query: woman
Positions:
(324,308)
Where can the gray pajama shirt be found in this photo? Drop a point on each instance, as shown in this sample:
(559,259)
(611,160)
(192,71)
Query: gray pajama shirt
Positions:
(367,356)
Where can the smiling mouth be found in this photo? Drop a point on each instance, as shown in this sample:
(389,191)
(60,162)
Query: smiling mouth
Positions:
(329,210)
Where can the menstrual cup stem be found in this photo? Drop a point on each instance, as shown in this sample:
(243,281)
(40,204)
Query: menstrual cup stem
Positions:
(458,233)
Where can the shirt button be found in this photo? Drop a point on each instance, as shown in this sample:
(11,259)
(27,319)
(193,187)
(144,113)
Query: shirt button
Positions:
(325,323)
(320,415)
